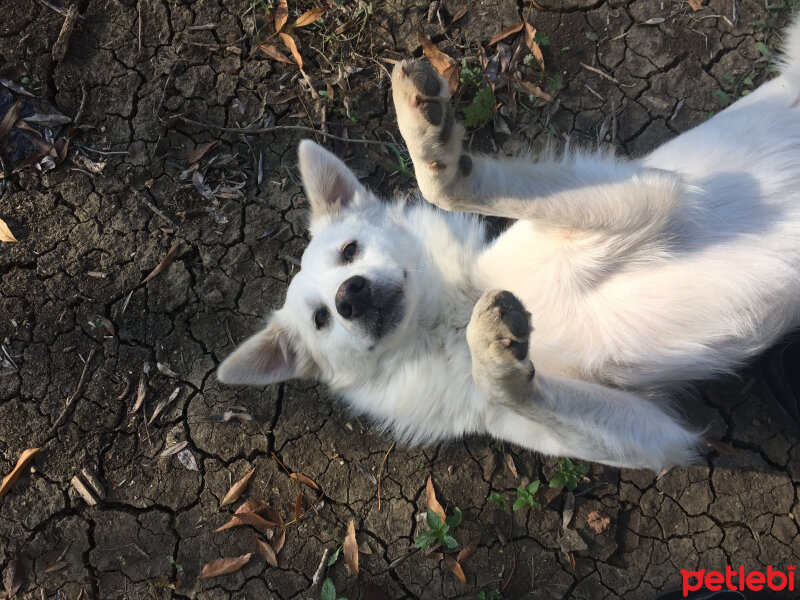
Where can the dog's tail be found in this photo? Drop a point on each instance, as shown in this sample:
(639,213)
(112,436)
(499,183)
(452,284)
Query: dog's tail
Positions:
(789,60)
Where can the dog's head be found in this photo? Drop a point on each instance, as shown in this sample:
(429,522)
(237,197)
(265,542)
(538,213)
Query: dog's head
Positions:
(354,297)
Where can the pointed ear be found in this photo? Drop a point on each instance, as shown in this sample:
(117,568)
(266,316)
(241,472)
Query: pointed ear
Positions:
(328,183)
(269,356)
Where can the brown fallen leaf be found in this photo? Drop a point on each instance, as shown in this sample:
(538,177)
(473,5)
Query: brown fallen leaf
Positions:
(62,43)
(236,490)
(171,254)
(223,566)
(279,540)
(281,15)
(536,91)
(304,479)
(350,548)
(459,14)
(275,54)
(248,518)
(598,522)
(14,575)
(5,233)
(431,501)
(511,466)
(288,41)
(298,507)
(445,65)
(24,460)
(265,550)
(10,118)
(571,559)
(310,16)
(533,46)
(722,447)
(696,5)
(255,505)
(511,30)
(200,152)
(455,568)
(467,551)
(56,566)
(141,392)
(174,449)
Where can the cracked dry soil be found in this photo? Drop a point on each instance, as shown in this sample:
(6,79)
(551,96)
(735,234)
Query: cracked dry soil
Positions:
(156,523)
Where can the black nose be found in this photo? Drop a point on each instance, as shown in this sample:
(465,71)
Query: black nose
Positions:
(353,297)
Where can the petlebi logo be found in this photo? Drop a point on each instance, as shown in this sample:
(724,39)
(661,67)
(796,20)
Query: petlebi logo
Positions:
(738,580)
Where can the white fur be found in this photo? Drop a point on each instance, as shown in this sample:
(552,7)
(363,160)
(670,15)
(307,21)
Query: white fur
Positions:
(639,275)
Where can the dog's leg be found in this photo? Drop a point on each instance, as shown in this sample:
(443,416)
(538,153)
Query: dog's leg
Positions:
(561,416)
(579,191)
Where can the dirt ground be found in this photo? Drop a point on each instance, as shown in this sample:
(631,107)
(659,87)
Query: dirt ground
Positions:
(630,74)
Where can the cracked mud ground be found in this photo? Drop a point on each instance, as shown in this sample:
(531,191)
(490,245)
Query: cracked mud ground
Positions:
(87,240)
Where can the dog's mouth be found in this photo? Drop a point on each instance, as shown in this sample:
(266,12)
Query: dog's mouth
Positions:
(389,312)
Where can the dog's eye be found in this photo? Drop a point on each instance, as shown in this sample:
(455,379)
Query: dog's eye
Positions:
(349,251)
(321,317)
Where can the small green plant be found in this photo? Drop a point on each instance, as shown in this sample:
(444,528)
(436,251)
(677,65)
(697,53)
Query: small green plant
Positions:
(468,77)
(335,554)
(328,591)
(556,82)
(541,38)
(568,474)
(499,500)
(402,166)
(723,97)
(481,111)
(525,496)
(178,566)
(490,595)
(439,532)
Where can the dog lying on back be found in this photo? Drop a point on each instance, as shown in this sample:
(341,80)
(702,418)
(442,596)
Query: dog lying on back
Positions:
(637,277)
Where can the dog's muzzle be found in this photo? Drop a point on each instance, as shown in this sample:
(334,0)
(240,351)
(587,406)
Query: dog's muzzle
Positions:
(377,308)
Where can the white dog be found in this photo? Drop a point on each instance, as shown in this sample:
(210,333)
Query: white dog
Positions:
(639,275)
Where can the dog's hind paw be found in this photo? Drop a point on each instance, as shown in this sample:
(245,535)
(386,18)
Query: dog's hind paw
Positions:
(498,335)
(425,117)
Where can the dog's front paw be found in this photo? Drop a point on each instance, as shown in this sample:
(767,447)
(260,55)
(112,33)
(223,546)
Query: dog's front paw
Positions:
(498,336)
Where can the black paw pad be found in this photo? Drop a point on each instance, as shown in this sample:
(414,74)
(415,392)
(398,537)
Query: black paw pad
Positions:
(513,314)
(519,349)
(433,112)
(425,80)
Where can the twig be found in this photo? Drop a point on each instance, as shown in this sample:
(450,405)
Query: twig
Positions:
(72,399)
(163,96)
(62,42)
(79,114)
(274,128)
(139,14)
(318,573)
(397,561)
(380,471)
(153,207)
(604,74)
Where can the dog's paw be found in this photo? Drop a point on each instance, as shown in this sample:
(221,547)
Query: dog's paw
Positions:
(498,335)
(425,116)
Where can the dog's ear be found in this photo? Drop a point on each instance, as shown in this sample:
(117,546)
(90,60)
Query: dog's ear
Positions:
(270,356)
(328,183)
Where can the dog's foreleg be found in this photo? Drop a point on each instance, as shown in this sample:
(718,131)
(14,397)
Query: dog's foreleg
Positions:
(561,416)
(579,191)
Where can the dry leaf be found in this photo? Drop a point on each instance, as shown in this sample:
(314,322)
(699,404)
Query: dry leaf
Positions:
(459,14)
(265,550)
(10,118)
(141,392)
(303,479)
(223,566)
(281,15)
(654,21)
(275,54)
(288,41)
(432,502)
(695,5)
(24,460)
(236,490)
(571,558)
(511,466)
(310,16)
(506,32)
(174,449)
(255,505)
(56,566)
(445,65)
(165,370)
(536,51)
(467,551)
(350,548)
(568,511)
(171,254)
(14,575)
(298,506)
(455,568)
(248,518)
(5,233)
(200,152)
(722,447)
(278,541)
(597,521)
(536,90)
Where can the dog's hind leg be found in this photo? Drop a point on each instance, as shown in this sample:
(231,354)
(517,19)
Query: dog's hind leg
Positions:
(560,416)
(580,191)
